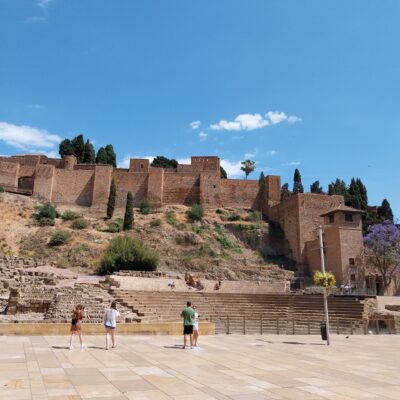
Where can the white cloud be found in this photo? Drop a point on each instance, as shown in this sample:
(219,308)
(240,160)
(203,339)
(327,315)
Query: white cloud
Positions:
(249,155)
(249,122)
(195,124)
(292,119)
(276,117)
(272,153)
(187,160)
(232,168)
(26,137)
(203,135)
(125,161)
(292,163)
(44,3)
(50,154)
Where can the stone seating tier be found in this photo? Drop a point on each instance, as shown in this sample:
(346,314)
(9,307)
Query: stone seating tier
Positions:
(166,306)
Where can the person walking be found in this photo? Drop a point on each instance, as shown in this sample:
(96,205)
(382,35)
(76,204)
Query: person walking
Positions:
(195,326)
(188,314)
(110,323)
(78,314)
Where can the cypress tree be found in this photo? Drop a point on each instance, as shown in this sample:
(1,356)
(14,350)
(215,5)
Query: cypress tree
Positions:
(358,197)
(297,185)
(385,212)
(285,192)
(262,190)
(101,157)
(128,217)
(89,156)
(111,156)
(316,188)
(79,147)
(339,187)
(111,200)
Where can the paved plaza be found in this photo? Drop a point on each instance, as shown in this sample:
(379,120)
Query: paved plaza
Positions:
(223,367)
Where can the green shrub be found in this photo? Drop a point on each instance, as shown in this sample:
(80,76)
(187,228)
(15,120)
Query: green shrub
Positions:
(79,223)
(170,217)
(234,217)
(225,242)
(80,248)
(197,229)
(59,238)
(2,190)
(45,214)
(69,215)
(155,222)
(254,216)
(126,253)
(115,226)
(220,211)
(145,207)
(196,212)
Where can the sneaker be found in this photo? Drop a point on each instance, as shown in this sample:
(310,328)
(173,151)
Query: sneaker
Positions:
(82,346)
(71,347)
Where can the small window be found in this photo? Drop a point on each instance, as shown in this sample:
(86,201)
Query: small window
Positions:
(348,217)
(353,277)
(331,219)
(141,166)
(352,261)
(214,186)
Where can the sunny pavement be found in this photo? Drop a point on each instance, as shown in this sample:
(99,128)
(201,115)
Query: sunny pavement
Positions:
(222,367)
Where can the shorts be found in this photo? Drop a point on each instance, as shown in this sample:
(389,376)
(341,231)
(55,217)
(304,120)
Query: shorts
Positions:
(109,327)
(196,326)
(187,329)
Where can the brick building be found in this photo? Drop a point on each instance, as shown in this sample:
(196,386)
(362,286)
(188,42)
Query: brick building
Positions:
(63,181)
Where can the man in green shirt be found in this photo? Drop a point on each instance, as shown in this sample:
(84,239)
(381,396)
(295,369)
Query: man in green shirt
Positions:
(188,314)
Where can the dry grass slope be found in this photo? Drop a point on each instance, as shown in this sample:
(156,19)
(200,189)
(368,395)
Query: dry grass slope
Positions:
(209,246)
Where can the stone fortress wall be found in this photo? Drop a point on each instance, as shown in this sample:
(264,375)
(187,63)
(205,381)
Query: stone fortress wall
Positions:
(63,181)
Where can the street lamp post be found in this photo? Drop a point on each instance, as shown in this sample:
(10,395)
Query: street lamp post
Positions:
(321,250)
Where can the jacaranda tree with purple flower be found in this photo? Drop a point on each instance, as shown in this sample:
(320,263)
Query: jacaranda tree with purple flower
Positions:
(382,245)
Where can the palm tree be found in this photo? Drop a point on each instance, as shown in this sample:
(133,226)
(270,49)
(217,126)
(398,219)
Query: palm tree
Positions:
(248,167)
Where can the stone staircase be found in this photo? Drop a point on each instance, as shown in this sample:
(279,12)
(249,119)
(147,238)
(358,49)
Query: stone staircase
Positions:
(95,299)
(249,313)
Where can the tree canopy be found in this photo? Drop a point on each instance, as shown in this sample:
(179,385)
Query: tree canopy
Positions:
(316,188)
(248,167)
(164,162)
(297,185)
(222,173)
(85,152)
(382,245)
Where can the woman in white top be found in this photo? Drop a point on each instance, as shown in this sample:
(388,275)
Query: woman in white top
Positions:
(195,326)
(110,322)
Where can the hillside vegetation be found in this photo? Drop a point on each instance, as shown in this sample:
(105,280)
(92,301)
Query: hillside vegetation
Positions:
(224,244)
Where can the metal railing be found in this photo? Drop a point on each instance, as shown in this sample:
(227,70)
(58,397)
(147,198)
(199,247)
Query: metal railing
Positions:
(261,324)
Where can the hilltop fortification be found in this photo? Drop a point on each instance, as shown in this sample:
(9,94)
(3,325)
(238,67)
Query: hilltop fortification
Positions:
(63,181)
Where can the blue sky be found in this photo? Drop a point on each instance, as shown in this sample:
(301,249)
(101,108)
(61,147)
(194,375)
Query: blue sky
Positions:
(304,83)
